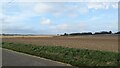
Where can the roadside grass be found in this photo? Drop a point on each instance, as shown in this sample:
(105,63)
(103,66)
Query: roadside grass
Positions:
(75,57)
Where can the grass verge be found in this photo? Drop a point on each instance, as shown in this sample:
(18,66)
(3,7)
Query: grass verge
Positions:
(75,57)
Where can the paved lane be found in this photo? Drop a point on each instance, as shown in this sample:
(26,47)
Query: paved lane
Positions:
(12,58)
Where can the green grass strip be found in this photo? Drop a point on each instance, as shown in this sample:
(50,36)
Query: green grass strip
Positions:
(75,57)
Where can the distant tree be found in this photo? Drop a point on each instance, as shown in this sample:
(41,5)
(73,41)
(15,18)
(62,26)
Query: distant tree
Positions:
(78,34)
(87,33)
(65,34)
(103,32)
(3,34)
(74,34)
(118,32)
(110,32)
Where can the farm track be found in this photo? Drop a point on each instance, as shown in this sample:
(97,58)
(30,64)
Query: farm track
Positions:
(107,43)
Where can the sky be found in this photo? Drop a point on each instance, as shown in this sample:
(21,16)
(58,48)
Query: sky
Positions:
(58,17)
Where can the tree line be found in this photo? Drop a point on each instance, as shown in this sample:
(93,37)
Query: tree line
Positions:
(90,33)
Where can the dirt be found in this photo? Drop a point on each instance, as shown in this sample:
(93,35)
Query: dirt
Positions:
(105,43)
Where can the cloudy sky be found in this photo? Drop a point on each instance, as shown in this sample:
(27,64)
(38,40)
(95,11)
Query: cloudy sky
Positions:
(58,17)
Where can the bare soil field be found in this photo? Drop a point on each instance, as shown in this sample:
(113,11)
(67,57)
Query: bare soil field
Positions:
(105,43)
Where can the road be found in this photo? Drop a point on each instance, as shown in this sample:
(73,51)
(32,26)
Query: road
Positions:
(12,58)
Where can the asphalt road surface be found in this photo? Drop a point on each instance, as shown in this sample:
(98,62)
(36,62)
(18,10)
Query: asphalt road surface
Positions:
(12,58)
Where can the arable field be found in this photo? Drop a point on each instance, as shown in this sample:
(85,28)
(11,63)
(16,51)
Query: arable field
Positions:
(72,56)
(95,42)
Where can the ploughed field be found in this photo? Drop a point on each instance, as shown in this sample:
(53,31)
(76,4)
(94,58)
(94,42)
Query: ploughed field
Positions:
(96,42)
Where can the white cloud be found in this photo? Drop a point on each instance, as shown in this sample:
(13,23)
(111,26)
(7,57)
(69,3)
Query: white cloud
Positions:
(17,18)
(102,0)
(102,5)
(42,8)
(61,0)
(70,10)
(65,27)
(12,22)
(76,10)
(95,18)
(115,5)
(83,10)
(60,28)
(16,23)
(45,21)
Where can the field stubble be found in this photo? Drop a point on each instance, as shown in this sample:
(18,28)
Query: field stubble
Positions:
(107,43)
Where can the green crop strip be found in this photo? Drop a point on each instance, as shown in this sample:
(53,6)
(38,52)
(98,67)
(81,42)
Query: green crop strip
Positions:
(75,57)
